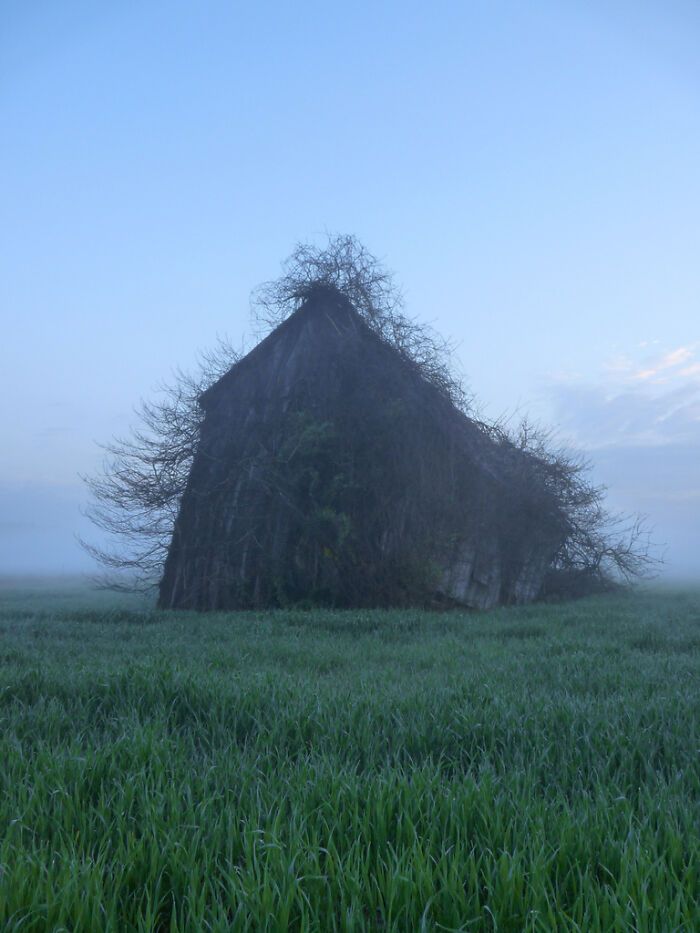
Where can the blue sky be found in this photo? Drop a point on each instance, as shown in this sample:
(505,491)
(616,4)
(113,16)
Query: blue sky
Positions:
(529,170)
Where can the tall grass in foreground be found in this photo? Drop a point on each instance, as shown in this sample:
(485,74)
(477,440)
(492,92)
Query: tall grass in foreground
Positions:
(522,770)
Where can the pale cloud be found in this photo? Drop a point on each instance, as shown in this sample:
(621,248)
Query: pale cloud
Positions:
(639,421)
(632,402)
(665,366)
(598,415)
(645,374)
(661,367)
(676,357)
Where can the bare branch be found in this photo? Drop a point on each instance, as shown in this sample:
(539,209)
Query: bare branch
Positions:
(136,496)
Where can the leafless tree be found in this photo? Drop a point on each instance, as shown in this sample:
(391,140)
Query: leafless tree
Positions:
(600,548)
(343,263)
(136,496)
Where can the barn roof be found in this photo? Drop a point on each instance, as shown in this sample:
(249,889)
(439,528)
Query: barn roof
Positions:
(326,326)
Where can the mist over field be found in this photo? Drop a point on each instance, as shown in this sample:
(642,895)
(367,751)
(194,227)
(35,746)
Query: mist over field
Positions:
(40,523)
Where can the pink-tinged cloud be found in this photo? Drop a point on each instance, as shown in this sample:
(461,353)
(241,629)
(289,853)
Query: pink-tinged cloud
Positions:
(666,366)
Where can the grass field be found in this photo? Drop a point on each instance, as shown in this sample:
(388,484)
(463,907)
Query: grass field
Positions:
(520,770)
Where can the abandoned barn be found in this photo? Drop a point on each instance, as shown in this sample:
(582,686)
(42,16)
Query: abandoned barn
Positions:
(329,469)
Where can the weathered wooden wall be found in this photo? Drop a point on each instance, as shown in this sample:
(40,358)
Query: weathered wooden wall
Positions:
(422,482)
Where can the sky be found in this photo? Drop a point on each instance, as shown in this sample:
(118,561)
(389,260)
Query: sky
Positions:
(530,171)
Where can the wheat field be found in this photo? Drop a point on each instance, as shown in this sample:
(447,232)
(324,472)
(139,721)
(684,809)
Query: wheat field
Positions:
(526,769)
